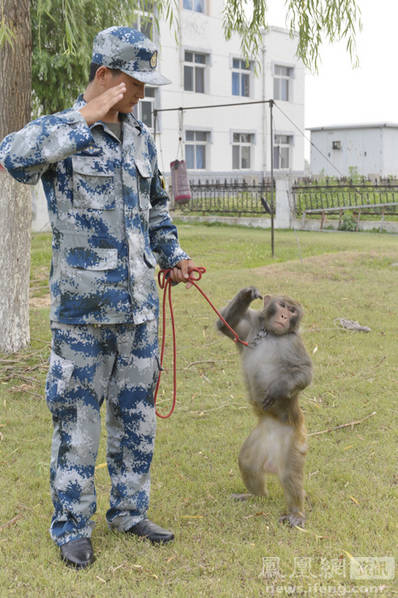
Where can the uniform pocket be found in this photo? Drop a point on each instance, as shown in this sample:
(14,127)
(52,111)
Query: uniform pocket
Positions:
(144,178)
(90,258)
(149,259)
(93,184)
(85,275)
(57,384)
(157,368)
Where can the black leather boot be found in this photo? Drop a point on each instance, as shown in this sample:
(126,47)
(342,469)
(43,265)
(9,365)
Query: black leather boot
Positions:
(78,553)
(152,532)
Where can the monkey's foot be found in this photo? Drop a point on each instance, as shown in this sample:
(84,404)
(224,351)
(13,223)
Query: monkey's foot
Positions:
(293,519)
(241,497)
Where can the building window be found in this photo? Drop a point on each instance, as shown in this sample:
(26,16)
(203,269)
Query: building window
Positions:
(194,71)
(283,83)
(196,5)
(196,149)
(144,19)
(144,109)
(282,149)
(241,77)
(242,150)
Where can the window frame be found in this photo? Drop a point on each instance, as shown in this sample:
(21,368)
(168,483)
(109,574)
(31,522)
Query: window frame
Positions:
(193,4)
(148,99)
(280,78)
(289,145)
(195,67)
(241,71)
(195,143)
(241,144)
(141,13)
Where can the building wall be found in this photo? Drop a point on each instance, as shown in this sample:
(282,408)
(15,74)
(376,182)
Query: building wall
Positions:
(369,150)
(389,152)
(280,49)
(202,33)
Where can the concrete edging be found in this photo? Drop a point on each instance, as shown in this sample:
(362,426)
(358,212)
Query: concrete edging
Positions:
(296,224)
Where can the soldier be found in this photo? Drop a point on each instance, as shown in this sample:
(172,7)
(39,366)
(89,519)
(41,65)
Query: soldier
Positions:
(110,225)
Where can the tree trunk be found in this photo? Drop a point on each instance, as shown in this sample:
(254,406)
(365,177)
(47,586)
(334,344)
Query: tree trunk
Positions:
(15,199)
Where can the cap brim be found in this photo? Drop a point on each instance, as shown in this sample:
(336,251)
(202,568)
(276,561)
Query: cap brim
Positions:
(152,78)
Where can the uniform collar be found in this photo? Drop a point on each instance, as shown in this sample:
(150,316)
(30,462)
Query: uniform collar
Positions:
(132,121)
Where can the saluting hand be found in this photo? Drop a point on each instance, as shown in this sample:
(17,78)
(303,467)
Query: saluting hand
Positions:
(99,106)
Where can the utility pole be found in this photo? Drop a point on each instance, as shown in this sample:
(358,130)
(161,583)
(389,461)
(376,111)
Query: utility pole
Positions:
(271,130)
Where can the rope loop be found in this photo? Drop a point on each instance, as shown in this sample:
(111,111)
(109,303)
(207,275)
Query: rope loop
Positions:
(195,274)
(165,283)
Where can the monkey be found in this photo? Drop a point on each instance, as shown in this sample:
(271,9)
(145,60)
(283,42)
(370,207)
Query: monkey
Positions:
(276,367)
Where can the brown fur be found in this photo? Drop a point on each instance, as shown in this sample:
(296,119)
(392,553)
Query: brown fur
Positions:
(276,368)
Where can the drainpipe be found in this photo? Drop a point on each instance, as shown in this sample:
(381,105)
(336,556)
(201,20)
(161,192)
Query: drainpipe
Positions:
(264,110)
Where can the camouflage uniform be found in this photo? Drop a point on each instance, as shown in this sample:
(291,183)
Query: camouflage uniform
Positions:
(110,225)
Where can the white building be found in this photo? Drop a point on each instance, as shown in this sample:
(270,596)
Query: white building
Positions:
(367,149)
(205,69)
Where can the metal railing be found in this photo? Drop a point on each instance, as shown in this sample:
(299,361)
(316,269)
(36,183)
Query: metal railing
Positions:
(366,196)
(237,197)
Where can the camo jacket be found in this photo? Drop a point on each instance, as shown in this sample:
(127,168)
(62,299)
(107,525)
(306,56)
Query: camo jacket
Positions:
(108,213)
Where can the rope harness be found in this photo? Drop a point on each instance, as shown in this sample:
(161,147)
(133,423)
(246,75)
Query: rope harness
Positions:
(165,283)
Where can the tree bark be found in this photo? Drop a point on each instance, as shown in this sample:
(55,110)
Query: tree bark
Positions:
(15,199)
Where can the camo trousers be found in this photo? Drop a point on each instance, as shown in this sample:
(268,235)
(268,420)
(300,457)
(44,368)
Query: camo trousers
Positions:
(90,363)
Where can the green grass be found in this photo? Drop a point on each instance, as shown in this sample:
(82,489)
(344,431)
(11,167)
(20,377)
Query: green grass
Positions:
(351,474)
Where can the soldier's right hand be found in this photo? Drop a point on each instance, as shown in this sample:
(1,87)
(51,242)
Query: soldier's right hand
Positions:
(98,107)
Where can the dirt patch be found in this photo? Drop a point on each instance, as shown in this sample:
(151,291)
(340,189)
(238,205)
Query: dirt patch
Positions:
(325,266)
(39,302)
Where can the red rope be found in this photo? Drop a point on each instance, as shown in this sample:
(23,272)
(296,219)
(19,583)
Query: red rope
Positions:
(165,283)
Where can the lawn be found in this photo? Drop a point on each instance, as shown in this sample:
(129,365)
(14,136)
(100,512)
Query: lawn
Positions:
(225,548)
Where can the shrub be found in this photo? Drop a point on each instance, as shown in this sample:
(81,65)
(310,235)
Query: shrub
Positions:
(348,222)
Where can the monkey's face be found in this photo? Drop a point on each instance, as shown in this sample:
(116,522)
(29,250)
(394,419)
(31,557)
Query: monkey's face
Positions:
(281,315)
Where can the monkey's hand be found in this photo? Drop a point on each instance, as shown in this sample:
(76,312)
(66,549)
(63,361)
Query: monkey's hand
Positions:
(250,294)
(276,391)
(237,314)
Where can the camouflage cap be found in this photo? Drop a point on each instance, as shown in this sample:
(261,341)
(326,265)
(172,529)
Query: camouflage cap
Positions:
(129,51)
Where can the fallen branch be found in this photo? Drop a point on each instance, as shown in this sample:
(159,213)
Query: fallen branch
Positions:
(350,424)
(352,325)
(205,411)
(14,371)
(18,376)
(196,363)
(11,522)
(27,391)
(10,361)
